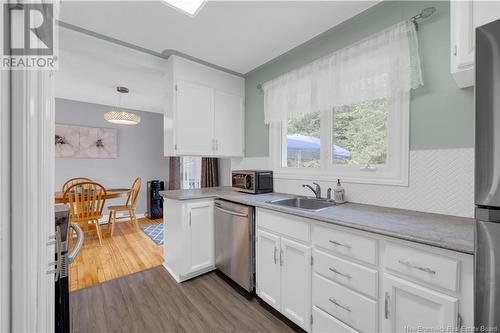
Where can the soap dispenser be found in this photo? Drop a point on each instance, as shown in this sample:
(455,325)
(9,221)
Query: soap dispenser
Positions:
(338,193)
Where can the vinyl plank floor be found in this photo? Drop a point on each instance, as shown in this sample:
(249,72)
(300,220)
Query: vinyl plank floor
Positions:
(151,301)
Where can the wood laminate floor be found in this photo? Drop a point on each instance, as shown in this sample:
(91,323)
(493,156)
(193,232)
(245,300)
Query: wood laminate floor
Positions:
(130,250)
(151,301)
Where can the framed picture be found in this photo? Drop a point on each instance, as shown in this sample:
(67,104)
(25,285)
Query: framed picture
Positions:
(85,142)
(67,140)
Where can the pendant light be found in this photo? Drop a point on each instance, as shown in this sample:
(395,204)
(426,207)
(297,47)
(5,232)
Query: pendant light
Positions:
(122,117)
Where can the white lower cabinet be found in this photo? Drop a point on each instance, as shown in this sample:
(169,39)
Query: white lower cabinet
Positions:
(200,236)
(188,248)
(268,268)
(408,306)
(283,276)
(328,278)
(296,282)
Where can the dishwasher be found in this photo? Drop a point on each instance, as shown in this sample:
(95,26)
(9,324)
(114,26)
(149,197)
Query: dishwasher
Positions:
(234,242)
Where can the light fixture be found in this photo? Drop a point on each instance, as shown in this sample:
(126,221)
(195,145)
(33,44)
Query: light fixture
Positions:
(190,7)
(122,117)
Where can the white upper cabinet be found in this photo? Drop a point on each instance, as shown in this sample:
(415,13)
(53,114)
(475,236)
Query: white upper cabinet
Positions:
(204,111)
(194,116)
(466,16)
(229,124)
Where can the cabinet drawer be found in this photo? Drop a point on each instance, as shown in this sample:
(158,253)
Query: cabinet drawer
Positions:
(346,243)
(348,306)
(325,323)
(285,224)
(428,267)
(357,277)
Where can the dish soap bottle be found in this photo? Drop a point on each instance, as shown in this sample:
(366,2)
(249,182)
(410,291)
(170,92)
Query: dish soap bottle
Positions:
(338,193)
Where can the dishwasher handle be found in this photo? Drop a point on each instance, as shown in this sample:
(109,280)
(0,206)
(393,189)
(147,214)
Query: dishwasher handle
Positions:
(231,212)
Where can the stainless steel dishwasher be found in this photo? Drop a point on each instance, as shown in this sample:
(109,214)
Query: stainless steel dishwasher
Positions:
(234,242)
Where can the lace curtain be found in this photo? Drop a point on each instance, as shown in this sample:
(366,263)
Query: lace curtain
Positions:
(379,66)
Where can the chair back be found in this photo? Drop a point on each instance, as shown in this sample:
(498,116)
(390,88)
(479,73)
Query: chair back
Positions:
(134,193)
(85,200)
(73,181)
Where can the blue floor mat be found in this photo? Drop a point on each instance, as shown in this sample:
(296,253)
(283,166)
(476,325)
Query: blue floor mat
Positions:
(155,232)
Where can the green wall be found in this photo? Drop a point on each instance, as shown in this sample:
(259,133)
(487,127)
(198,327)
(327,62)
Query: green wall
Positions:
(442,115)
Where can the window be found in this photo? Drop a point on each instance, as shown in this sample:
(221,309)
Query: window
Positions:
(364,142)
(303,141)
(190,172)
(360,134)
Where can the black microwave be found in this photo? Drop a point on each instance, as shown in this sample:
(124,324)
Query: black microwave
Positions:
(252,181)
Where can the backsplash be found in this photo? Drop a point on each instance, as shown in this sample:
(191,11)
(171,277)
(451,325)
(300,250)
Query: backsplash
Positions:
(441,181)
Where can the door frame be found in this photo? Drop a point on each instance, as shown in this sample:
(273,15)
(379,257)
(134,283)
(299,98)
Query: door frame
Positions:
(29,149)
(5,187)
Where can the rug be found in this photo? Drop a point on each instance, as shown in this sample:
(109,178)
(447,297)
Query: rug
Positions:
(155,232)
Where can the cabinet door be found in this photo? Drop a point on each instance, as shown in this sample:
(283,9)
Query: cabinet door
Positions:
(296,282)
(200,236)
(194,119)
(229,125)
(462,34)
(268,268)
(407,306)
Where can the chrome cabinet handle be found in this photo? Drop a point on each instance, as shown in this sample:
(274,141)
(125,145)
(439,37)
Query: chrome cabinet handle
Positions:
(345,307)
(340,244)
(420,268)
(275,255)
(340,273)
(79,242)
(281,257)
(387,299)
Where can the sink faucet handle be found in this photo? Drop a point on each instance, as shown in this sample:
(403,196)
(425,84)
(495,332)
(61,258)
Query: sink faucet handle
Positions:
(318,190)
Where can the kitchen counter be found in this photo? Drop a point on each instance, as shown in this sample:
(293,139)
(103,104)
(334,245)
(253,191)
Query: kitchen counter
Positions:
(448,232)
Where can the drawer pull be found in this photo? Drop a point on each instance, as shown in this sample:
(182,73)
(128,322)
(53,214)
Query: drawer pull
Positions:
(340,273)
(424,269)
(275,255)
(340,244)
(345,307)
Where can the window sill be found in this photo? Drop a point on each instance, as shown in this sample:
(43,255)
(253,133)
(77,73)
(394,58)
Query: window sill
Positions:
(322,175)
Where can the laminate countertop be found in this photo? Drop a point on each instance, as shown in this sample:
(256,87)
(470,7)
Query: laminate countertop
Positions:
(444,231)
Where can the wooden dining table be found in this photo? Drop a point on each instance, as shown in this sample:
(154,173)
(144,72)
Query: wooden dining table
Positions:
(112,193)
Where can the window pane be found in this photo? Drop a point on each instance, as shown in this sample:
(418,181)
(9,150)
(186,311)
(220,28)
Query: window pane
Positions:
(360,133)
(303,141)
(190,172)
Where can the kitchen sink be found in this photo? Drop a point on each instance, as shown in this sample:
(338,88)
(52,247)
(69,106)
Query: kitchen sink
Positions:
(311,204)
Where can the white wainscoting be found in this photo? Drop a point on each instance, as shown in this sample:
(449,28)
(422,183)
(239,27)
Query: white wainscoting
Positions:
(441,181)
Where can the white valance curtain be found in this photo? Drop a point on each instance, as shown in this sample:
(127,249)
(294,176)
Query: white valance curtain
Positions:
(379,66)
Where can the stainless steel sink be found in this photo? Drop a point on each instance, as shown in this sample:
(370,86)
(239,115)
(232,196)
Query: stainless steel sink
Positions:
(303,203)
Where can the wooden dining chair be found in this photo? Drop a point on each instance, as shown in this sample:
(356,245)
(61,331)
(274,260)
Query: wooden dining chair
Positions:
(128,207)
(86,202)
(73,181)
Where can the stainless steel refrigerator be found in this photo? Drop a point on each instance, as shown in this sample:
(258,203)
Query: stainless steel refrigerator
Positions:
(487,177)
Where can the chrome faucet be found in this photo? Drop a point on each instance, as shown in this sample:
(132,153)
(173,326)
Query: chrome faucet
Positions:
(317,191)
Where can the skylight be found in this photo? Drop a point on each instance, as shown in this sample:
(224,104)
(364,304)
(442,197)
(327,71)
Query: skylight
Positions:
(189,7)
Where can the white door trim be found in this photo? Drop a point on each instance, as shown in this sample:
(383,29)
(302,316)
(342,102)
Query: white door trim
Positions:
(5,218)
(32,200)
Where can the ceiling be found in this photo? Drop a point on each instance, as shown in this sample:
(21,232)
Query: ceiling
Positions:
(90,69)
(237,35)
